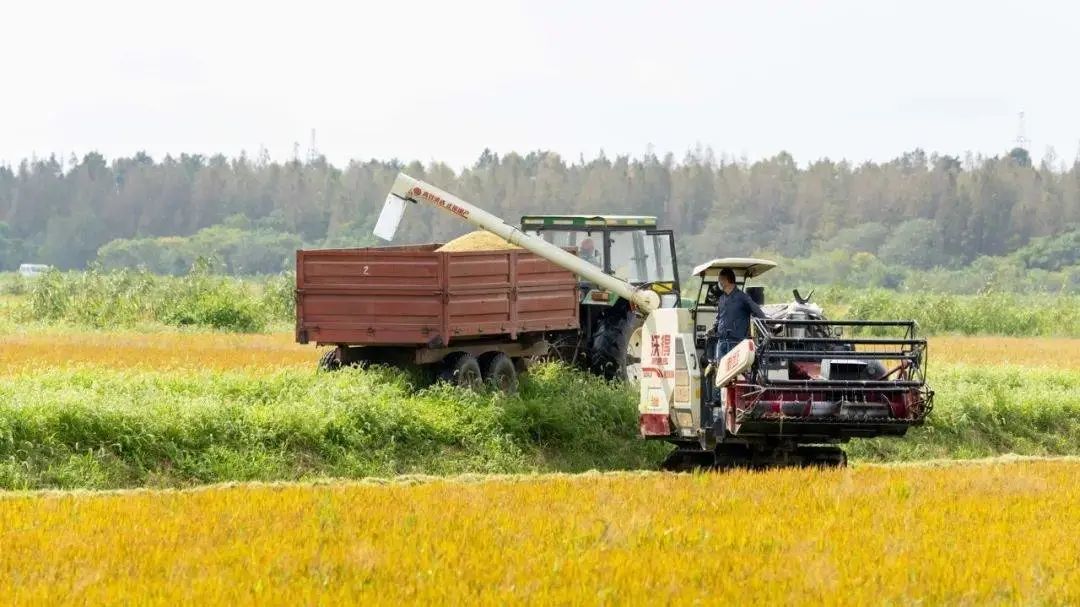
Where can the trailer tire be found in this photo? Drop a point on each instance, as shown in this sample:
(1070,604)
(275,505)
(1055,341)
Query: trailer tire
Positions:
(499,372)
(462,370)
(330,361)
(616,351)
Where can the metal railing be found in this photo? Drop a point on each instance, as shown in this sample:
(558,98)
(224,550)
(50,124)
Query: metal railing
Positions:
(824,340)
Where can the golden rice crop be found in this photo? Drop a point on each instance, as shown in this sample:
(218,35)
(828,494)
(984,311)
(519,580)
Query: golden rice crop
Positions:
(26,352)
(994,351)
(1002,533)
(1061,353)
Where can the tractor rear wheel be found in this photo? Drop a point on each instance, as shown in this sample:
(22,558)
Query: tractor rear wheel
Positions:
(462,370)
(617,347)
(562,347)
(499,372)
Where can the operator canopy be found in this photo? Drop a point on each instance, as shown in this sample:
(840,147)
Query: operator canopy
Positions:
(743,267)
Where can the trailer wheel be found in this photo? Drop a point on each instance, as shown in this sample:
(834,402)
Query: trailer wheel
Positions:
(462,370)
(617,347)
(499,372)
(330,361)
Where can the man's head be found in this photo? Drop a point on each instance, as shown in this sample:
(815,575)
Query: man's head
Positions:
(587,248)
(727,280)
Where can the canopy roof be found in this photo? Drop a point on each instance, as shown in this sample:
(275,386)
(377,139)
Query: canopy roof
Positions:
(744,267)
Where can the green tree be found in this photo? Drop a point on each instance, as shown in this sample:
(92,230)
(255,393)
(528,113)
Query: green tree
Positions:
(916,243)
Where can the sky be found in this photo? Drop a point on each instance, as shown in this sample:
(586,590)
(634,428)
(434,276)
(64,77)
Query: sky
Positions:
(853,80)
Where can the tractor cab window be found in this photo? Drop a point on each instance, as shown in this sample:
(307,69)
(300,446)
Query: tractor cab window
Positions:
(629,259)
(589,244)
(709,293)
(663,261)
(641,256)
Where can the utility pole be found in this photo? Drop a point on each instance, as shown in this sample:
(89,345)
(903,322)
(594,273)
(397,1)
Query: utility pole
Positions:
(313,150)
(1022,141)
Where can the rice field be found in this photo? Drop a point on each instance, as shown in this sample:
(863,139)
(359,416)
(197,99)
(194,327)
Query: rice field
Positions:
(178,409)
(59,348)
(987,534)
(158,351)
(990,350)
(112,410)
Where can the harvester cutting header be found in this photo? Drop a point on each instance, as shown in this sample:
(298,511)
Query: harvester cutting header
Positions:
(791,392)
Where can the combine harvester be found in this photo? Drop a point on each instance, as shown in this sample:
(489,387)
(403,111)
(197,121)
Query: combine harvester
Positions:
(789,395)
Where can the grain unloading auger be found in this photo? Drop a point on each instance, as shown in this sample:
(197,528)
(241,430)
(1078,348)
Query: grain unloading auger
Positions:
(790,394)
(407,189)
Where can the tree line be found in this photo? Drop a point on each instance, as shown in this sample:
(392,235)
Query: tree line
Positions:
(919,210)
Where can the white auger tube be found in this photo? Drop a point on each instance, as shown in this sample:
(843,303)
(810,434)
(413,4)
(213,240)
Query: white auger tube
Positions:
(413,190)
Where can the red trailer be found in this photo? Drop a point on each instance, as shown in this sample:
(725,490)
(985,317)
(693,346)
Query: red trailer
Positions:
(468,316)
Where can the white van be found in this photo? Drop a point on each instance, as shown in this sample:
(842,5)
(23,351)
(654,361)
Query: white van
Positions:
(30,270)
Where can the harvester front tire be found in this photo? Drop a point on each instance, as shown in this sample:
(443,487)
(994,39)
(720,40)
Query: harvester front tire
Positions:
(462,370)
(499,372)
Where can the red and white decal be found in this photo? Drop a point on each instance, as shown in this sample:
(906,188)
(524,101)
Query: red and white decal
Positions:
(660,349)
(440,202)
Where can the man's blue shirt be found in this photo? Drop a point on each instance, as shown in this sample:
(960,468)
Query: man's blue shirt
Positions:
(733,312)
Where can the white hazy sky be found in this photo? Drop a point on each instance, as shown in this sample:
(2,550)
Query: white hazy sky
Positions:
(443,80)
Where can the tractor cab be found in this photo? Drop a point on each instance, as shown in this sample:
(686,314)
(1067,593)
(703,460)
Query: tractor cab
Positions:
(627,247)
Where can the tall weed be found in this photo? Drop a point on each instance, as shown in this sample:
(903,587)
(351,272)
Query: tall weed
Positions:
(125,298)
(134,428)
(989,314)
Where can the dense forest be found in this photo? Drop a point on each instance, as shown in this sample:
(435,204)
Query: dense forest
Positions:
(919,211)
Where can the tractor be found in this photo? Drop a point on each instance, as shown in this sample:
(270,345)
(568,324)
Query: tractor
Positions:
(628,248)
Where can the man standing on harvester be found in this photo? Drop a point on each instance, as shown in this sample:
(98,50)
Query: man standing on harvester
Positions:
(733,311)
